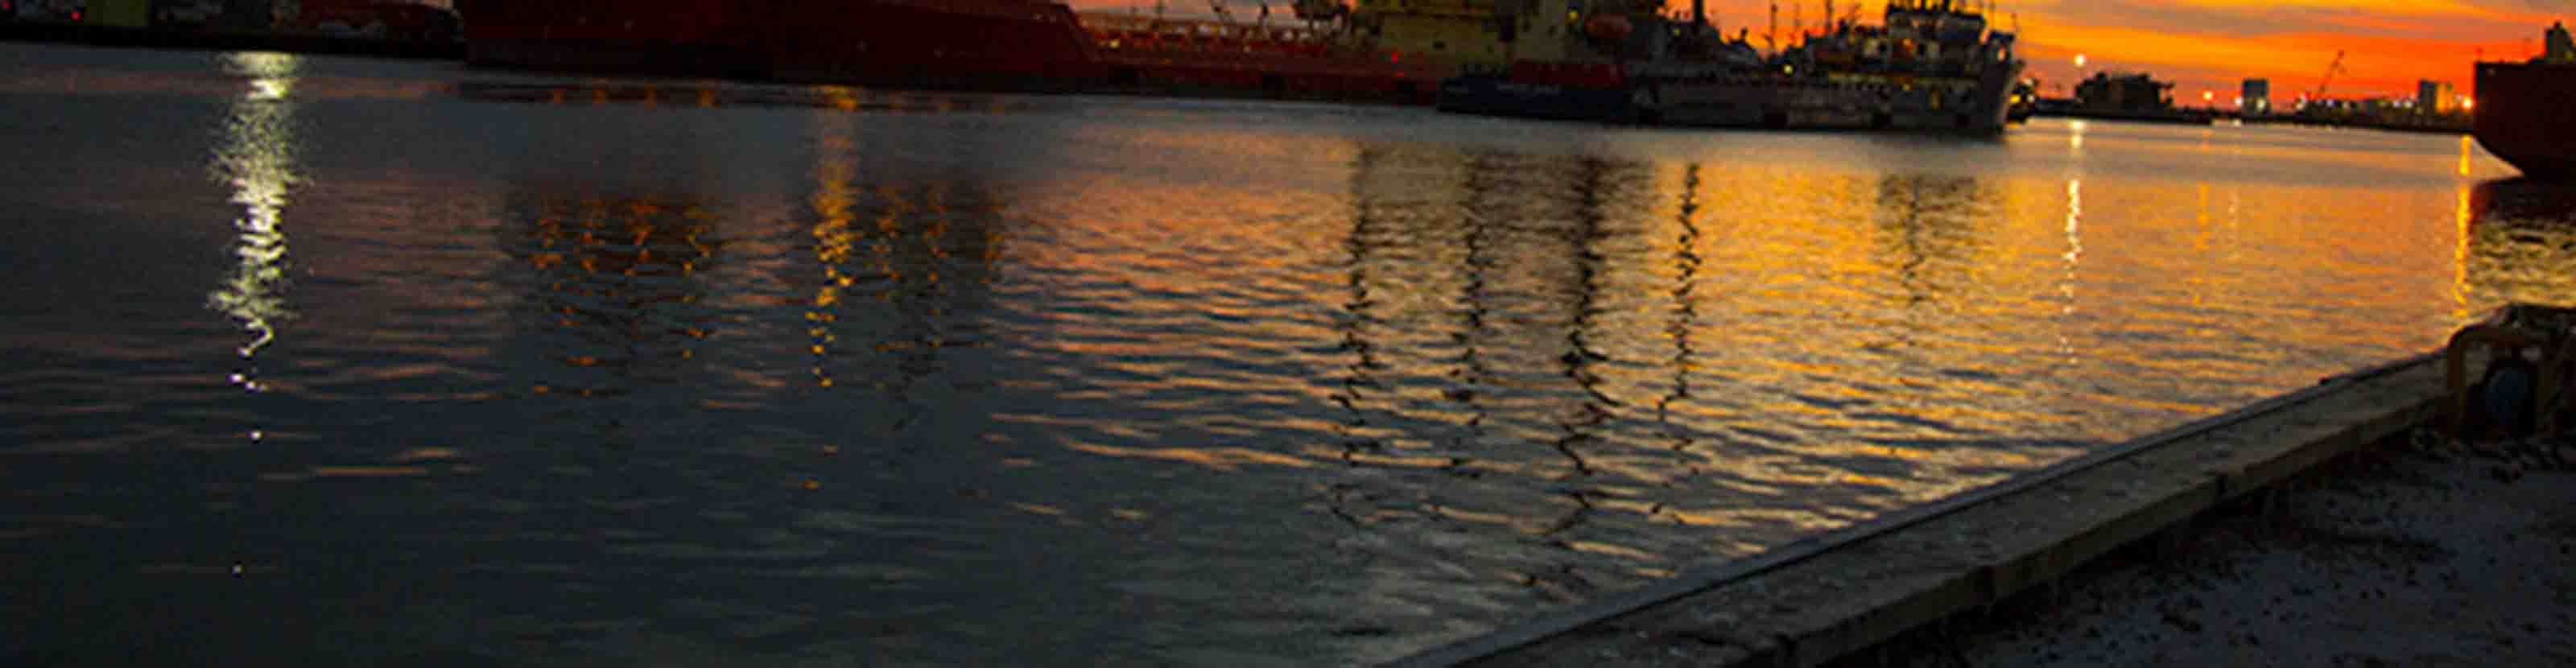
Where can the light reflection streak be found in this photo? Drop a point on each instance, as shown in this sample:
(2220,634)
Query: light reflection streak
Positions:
(2460,256)
(2464,155)
(2460,241)
(833,239)
(2074,256)
(258,160)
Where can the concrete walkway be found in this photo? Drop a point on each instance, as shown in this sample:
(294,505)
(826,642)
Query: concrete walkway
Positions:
(1849,592)
(2421,553)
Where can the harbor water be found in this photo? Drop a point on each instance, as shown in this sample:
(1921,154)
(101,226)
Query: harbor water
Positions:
(334,361)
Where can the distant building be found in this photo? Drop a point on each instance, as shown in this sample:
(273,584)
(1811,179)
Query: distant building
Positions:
(2560,49)
(2126,92)
(2435,97)
(2256,98)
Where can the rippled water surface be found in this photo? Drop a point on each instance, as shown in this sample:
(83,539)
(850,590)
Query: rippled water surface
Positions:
(343,361)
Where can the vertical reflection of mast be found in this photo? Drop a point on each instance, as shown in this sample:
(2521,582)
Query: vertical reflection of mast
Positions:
(1685,314)
(1579,355)
(257,159)
(1363,238)
(1472,374)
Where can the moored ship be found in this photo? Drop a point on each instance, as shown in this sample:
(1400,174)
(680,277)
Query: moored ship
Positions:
(2521,114)
(1032,44)
(1329,52)
(1931,65)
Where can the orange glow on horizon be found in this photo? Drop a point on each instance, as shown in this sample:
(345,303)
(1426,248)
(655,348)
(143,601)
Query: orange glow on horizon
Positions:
(2213,44)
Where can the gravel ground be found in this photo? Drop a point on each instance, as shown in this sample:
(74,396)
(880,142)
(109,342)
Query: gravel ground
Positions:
(2423,553)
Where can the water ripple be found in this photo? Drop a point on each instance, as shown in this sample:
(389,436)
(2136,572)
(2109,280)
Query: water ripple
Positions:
(960,379)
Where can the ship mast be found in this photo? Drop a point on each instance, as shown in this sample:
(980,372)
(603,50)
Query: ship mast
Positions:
(1771,35)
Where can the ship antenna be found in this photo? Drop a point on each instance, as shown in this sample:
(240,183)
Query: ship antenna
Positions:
(1771,35)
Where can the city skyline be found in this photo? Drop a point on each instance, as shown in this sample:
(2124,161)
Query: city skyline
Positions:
(2200,45)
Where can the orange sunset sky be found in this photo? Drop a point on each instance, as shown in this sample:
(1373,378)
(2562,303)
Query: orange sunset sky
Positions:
(2207,44)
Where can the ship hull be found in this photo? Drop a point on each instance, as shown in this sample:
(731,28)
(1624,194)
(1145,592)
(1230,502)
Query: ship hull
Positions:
(615,57)
(1003,45)
(2521,117)
(603,36)
(970,44)
(1502,95)
(942,44)
(1346,78)
(1979,105)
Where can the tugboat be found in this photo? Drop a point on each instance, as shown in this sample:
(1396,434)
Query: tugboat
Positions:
(2521,110)
(1930,65)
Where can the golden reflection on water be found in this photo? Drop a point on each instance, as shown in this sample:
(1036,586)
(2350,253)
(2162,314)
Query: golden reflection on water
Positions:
(833,201)
(1651,331)
(900,268)
(615,286)
(2519,243)
(257,158)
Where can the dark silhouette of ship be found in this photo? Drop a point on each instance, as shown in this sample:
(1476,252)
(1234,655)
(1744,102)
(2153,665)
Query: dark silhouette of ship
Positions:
(1013,45)
(2522,113)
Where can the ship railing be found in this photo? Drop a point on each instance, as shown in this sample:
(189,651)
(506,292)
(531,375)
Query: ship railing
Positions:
(1199,29)
(1159,42)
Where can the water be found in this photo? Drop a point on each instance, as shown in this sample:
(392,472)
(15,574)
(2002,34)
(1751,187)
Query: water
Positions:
(338,361)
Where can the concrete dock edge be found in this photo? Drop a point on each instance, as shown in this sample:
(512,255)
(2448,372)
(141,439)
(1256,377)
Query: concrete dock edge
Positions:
(1818,599)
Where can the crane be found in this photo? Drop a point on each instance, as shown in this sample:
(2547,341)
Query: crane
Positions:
(2331,69)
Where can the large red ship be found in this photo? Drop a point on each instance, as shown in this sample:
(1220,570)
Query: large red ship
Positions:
(1008,44)
(2522,112)
(1035,45)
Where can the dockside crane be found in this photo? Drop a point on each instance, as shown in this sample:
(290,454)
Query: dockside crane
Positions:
(2319,97)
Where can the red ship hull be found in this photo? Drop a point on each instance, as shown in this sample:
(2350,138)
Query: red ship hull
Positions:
(1012,44)
(2522,117)
(1199,57)
(948,44)
(674,38)
(1027,45)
